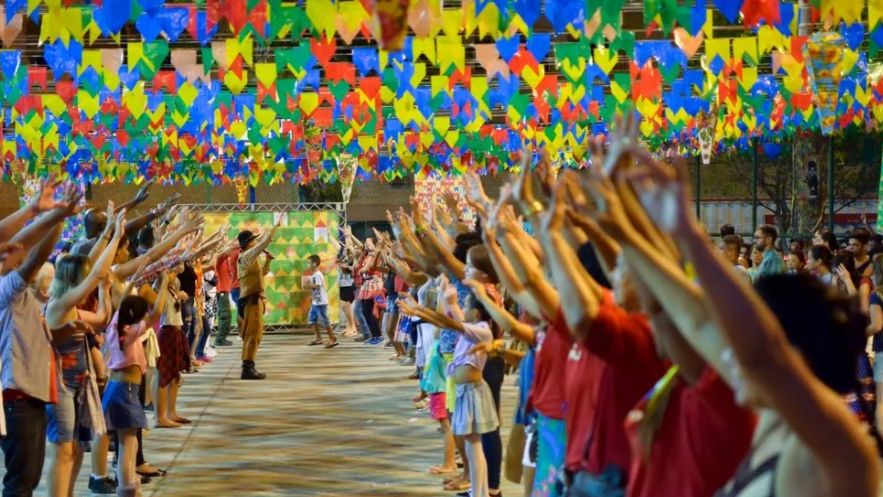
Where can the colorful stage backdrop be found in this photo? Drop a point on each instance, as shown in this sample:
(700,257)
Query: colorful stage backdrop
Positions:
(301,234)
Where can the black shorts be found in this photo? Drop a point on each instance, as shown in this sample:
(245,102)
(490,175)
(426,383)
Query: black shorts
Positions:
(347,294)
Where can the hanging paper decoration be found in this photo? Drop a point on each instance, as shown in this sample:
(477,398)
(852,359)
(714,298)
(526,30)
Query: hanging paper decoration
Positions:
(825,53)
(392,18)
(242,189)
(346,174)
(282,94)
(705,124)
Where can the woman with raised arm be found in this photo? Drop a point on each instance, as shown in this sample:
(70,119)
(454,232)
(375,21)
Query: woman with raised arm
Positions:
(791,353)
(474,414)
(74,282)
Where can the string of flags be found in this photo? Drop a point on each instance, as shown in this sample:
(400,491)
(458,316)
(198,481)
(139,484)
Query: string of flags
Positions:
(224,91)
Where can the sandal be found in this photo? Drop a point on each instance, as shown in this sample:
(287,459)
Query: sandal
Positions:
(316,342)
(332,344)
(452,478)
(440,470)
(457,486)
(156,473)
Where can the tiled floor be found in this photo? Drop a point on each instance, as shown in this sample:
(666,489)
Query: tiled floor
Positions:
(325,423)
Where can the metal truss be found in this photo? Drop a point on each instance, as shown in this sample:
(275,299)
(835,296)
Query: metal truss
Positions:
(339,207)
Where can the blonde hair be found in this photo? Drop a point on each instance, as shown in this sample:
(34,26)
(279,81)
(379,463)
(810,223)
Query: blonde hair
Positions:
(43,280)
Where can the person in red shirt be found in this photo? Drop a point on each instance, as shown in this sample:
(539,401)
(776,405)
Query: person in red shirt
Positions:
(683,422)
(225,268)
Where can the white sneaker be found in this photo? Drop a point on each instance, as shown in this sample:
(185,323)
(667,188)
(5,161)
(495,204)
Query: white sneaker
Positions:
(407,362)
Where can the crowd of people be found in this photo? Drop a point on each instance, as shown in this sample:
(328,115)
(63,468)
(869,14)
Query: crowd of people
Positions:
(95,334)
(653,358)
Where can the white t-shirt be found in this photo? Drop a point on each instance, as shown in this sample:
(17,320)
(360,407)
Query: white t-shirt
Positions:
(320,296)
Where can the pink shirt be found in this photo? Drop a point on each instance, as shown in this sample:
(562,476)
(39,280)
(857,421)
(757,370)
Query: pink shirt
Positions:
(126,349)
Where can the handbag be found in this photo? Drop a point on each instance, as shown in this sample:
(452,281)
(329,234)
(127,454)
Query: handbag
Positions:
(513,468)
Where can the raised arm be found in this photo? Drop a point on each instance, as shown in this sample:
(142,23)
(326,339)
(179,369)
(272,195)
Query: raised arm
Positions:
(101,269)
(101,318)
(125,270)
(248,256)
(818,416)
(161,298)
(502,317)
(37,230)
(42,202)
(38,255)
(545,295)
(580,295)
(666,282)
(508,276)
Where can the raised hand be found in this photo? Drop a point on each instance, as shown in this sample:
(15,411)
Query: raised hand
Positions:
(111,209)
(70,202)
(663,191)
(119,226)
(623,139)
(143,192)
(553,219)
(610,214)
(44,200)
(167,205)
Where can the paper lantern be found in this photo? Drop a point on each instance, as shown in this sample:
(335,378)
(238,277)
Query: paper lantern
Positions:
(241,184)
(824,53)
(346,173)
(705,124)
(392,18)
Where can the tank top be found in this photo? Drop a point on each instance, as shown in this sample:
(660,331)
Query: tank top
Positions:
(756,476)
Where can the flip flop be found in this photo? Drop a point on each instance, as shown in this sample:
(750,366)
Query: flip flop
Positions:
(332,344)
(183,421)
(316,342)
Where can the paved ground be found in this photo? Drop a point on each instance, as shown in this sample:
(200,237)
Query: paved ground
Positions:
(325,423)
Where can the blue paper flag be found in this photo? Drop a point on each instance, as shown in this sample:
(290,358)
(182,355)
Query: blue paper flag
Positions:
(786,15)
(13,6)
(174,21)
(729,8)
(9,62)
(152,7)
(539,44)
(129,78)
(563,12)
(203,34)
(113,15)
(63,59)
(698,14)
(508,47)
(528,10)
(148,27)
(853,34)
(366,60)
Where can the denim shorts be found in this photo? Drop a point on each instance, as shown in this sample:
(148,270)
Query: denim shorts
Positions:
(122,406)
(319,315)
(64,420)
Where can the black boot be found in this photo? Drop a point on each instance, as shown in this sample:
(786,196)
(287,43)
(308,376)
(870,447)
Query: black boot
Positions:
(250,373)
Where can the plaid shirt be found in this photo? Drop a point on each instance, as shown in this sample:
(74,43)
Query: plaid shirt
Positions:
(157,268)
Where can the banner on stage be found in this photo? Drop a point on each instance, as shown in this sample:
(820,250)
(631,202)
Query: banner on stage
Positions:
(288,300)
